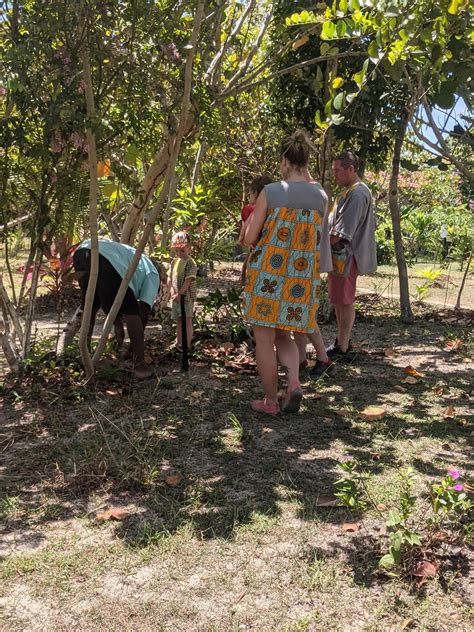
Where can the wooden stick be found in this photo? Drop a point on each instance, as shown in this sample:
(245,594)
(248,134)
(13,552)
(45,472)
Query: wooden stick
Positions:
(184,336)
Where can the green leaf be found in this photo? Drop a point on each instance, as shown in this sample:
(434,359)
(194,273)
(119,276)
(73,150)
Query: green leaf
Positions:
(324,49)
(387,561)
(328,30)
(322,125)
(337,83)
(394,518)
(413,538)
(373,51)
(359,77)
(341,28)
(109,189)
(409,165)
(338,101)
(457,6)
(343,6)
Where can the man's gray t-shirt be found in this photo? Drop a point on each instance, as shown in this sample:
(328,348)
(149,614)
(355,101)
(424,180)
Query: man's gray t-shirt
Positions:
(352,218)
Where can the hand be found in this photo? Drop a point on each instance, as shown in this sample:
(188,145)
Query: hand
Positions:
(175,297)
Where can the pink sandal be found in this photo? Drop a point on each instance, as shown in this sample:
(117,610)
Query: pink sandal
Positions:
(262,406)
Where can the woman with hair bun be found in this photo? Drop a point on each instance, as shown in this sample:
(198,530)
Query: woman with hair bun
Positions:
(288,230)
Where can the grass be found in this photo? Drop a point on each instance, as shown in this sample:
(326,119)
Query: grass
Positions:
(223,529)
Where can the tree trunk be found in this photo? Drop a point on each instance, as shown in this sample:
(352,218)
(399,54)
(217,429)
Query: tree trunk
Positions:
(466,271)
(93,191)
(165,232)
(69,331)
(325,162)
(405,307)
(183,126)
(197,165)
(30,310)
(153,177)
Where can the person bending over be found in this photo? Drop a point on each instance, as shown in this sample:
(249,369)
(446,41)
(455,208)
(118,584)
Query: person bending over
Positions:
(114,260)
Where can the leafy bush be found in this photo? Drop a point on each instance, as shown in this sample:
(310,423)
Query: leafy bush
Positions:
(411,529)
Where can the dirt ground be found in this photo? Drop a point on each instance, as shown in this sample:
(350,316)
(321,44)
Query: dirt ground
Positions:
(219,519)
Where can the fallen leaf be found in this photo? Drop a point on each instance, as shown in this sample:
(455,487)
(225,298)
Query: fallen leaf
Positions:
(116,513)
(173,480)
(446,446)
(111,392)
(410,380)
(448,413)
(407,623)
(399,388)
(343,412)
(438,391)
(424,569)
(382,507)
(440,536)
(389,353)
(227,346)
(409,370)
(462,422)
(453,345)
(350,527)
(197,394)
(327,501)
(372,413)
(376,456)
(200,364)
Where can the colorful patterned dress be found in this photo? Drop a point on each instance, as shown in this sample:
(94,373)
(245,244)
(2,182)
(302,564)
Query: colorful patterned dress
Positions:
(282,283)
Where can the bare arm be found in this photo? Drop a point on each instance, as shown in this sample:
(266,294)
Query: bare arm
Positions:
(256,221)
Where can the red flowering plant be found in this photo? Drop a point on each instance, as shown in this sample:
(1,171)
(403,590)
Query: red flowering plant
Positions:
(57,272)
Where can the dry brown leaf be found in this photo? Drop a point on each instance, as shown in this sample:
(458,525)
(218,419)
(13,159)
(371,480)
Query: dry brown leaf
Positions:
(448,413)
(327,501)
(399,388)
(453,345)
(300,42)
(438,391)
(410,380)
(389,353)
(446,446)
(462,422)
(173,480)
(372,413)
(116,513)
(227,346)
(376,456)
(343,412)
(409,370)
(424,569)
(112,392)
(350,527)
(407,623)
(382,507)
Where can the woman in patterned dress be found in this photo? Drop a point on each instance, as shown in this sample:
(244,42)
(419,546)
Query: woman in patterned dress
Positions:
(282,285)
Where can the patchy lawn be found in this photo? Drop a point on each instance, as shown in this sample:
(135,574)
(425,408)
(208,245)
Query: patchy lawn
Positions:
(220,526)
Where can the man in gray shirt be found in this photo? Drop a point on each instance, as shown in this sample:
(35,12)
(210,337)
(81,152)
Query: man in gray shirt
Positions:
(352,236)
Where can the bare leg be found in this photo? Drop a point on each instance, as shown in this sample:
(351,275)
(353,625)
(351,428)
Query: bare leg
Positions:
(267,361)
(301,342)
(137,344)
(316,338)
(289,357)
(189,329)
(345,322)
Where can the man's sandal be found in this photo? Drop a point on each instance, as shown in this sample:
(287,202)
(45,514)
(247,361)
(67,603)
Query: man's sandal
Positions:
(292,402)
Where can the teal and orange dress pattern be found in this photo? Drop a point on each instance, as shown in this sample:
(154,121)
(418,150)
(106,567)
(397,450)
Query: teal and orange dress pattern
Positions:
(282,284)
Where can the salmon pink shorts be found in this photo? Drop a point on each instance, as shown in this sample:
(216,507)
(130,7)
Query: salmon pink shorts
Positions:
(341,290)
